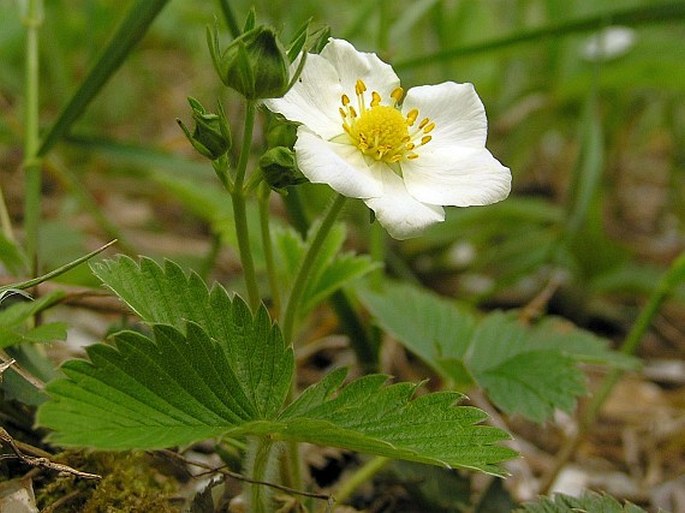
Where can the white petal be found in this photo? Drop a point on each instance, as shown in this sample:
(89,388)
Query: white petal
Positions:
(314,98)
(401,215)
(456,110)
(339,165)
(456,176)
(352,65)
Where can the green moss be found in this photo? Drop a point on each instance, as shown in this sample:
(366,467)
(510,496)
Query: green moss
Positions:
(129,484)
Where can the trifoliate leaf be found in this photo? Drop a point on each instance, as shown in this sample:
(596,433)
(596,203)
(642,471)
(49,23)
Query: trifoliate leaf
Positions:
(530,370)
(213,369)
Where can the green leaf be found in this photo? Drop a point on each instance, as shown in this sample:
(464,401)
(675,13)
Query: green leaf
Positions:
(530,370)
(148,393)
(213,369)
(43,333)
(390,420)
(167,295)
(590,502)
(332,269)
(17,313)
(427,325)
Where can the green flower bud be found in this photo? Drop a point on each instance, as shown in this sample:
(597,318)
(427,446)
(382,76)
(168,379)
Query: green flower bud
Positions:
(279,168)
(212,135)
(255,64)
(280,132)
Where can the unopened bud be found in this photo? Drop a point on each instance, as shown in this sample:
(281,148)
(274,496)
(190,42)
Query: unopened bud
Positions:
(212,135)
(279,168)
(255,64)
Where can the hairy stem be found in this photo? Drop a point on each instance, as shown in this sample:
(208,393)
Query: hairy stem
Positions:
(364,346)
(303,273)
(268,249)
(262,467)
(239,211)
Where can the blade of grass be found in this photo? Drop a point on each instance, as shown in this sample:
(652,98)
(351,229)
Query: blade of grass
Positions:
(130,32)
(32,165)
(229,16)
(55,272)
(643,15)
(588,173)
(143,157)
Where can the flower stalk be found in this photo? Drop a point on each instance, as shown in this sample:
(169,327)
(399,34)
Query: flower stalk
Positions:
(300,282)
(265,226)
(239,210)
(261,467)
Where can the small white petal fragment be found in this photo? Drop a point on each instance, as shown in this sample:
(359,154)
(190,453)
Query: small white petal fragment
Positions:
(610,43)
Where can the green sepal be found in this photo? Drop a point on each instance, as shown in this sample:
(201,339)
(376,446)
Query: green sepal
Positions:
(212,134)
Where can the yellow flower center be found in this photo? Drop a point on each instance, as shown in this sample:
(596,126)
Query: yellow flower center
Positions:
(381,131)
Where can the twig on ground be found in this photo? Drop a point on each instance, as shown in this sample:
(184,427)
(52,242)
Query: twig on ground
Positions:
(41,462)
(222,470)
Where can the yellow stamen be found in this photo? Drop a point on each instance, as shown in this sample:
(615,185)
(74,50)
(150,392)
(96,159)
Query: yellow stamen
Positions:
(380,131)
(411,116)
(429,127)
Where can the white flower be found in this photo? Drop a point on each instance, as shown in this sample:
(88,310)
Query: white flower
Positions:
(404,156)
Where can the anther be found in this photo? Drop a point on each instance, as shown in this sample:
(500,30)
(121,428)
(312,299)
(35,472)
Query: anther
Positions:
(424,122)
(429,127)
(360,87)
(353,113)
(425,139)
(375,98)
(397,94)
(345,100)
(411,116)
